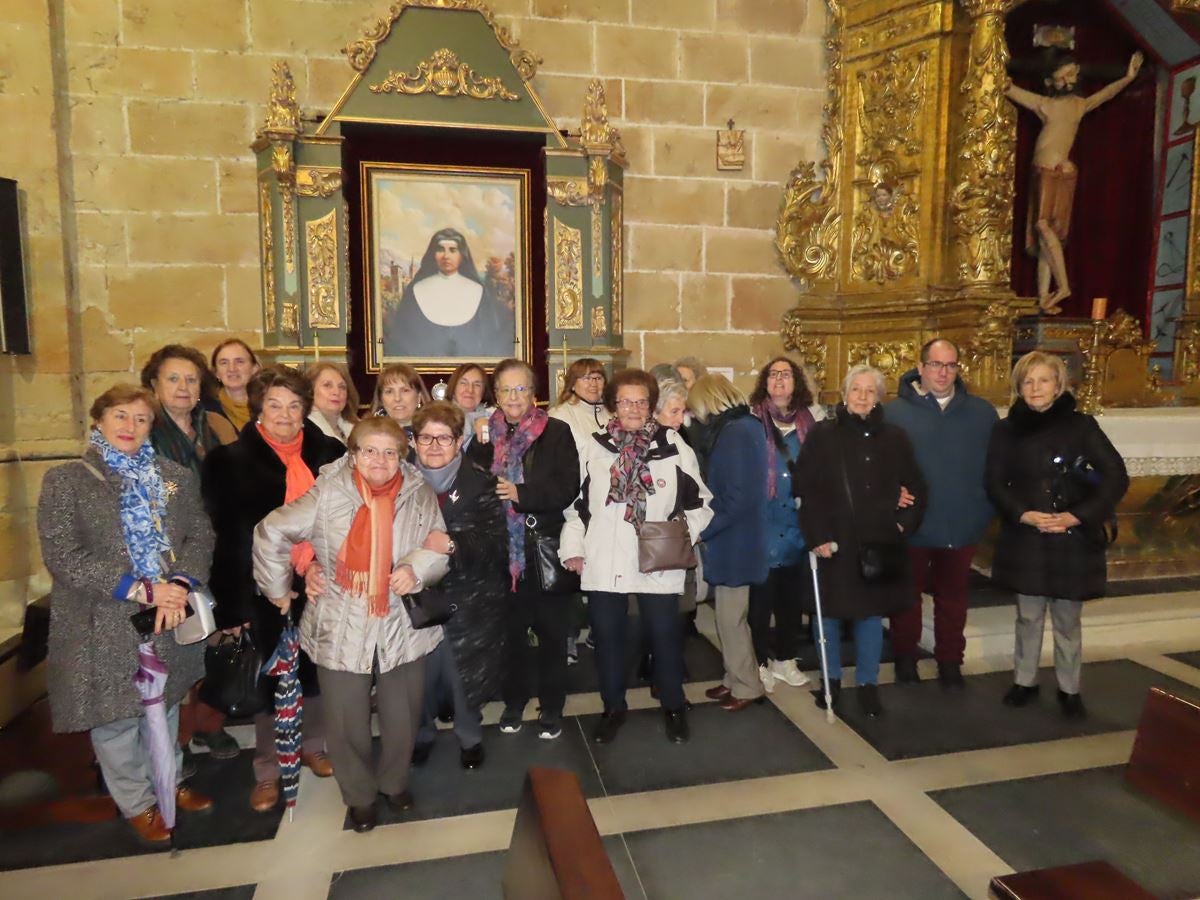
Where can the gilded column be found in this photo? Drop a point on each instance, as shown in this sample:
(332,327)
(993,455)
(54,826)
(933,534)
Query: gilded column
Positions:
(982,198)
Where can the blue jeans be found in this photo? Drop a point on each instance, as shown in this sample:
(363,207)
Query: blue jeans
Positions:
(868,648)
(659,614)
(442,682)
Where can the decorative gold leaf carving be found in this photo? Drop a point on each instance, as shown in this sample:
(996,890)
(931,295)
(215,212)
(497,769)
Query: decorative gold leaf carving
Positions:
(290,322)
(317,181)
(599,325)
(597,245)
(885,240)
(283,113)
(1187,350)
(813,351)
(987,357)
(285,171)
(568,191)
(806,234)
(982,198)
(617,264)
(444,75)
(267,246)
(362,52)
(596,133)
(892,358)
(321,239)
(568,276)
(891,97)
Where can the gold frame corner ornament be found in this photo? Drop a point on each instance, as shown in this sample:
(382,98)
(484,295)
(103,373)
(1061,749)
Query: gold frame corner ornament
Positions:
(443,74)
(361,53)
(321,270)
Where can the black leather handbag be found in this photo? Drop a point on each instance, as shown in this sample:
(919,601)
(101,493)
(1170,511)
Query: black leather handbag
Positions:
(231,668)
(541,554)
(429,608)
(879,562)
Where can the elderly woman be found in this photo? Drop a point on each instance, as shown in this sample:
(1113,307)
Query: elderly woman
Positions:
(369,519)
(234,364)
(735,542)
(689,369)
(782,402)
(335,399)
(861,495)
(635,471)
(581,401)
(122,530)
(671,408)
(470,390)
(537,476)
(399,393)
(184,432)
(468,667)
(273,462)
(1055,479)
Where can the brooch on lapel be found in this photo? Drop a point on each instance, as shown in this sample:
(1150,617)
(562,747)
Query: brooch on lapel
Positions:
(454,496)
(170,488)
(662,482)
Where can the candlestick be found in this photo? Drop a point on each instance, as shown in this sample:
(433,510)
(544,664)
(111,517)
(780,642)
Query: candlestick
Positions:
(1099,307)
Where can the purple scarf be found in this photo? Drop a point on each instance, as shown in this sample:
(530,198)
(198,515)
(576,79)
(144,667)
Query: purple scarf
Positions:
(508,463)
(630,481)
(766,412)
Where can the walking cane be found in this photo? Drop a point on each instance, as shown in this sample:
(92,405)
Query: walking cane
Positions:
(812,564)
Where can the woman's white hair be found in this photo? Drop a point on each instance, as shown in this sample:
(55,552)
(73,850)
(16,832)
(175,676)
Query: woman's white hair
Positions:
(668,390)
(864,369)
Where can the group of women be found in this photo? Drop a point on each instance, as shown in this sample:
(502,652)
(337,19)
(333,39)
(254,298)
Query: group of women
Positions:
(429,550)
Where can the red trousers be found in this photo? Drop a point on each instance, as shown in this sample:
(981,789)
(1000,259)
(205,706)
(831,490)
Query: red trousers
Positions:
(943,573)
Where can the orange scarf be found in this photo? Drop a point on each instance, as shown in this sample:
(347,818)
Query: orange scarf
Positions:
(299,480)
(364,562)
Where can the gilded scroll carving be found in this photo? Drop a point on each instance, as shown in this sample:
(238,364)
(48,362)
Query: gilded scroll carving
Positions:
(318,181)
(891,97)
(444,75)
(283,112)
(596,133)
(568,276)
(982,197)
(285,171)
(599,325)
(806,235)
(267,235)
(987,356)
(885,241)
(892,358)
(617,264)
(813,351)
(568,191)
(290,320)
(362,52)
(321,241)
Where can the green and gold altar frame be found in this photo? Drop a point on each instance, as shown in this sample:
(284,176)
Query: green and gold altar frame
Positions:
(446,264)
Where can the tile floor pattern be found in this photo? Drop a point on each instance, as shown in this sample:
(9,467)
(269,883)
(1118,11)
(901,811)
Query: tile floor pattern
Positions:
(770,800)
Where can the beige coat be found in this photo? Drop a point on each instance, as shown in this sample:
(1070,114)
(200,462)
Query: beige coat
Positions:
(335,630)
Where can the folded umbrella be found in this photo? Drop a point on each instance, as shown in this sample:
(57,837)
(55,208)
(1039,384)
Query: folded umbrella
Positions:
(289,711)
(150,681)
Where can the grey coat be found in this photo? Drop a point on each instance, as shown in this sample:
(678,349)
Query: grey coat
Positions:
(335,629)
(93,647)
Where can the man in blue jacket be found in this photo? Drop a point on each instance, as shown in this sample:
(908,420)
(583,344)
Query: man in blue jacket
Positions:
(949,430)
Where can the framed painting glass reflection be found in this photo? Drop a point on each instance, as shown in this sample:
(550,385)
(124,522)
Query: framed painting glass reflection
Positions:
(446,263)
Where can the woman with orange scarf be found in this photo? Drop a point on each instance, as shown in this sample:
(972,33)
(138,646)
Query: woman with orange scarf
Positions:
(274,461)
(370,518)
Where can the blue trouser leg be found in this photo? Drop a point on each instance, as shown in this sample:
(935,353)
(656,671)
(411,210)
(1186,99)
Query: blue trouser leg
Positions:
(609,616)
(833,645)
(660,621)
(868,648)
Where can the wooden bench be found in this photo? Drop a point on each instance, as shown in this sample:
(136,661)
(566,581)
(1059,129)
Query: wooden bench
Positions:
(1165,762)
(556,852)
(1083,881)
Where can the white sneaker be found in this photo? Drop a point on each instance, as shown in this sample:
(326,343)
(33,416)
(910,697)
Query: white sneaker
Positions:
(788,672)
(767,679)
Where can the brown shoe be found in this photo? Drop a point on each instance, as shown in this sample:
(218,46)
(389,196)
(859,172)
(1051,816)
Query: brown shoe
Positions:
(265,796)
(733,704)
(720,692)
(191,801)
(319,762)
(150,827)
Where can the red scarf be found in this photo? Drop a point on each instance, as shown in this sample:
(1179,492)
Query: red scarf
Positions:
(299,480)
(364,562)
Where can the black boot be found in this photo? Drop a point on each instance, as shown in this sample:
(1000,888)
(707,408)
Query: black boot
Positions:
(677,726)
(950,675)
(868,701)
(906,670)
(835,693)
(1072,705)
(1019,695)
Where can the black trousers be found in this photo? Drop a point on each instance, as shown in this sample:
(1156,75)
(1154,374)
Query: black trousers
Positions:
(782,594)
(659,616)
(548,616)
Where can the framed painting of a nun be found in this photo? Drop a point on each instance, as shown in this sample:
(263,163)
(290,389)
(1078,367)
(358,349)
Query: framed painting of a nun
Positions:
(446,263)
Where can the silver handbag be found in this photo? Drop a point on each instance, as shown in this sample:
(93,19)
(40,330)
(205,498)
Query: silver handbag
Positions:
(198,626)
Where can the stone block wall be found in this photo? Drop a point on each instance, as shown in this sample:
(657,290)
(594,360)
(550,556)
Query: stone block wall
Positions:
(138,184)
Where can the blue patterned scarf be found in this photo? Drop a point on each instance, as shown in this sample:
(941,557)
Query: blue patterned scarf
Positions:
(508,461)
(143,503)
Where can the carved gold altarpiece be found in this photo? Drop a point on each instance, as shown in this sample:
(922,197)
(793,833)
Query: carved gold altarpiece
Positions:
(905,232)
(437,64)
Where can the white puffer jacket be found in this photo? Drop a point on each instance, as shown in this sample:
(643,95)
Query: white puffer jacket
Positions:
(597,531)
(336,630)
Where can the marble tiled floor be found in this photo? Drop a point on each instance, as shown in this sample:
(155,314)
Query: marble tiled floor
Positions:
(770,800)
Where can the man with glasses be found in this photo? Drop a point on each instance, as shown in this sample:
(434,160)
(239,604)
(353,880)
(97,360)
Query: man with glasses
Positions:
(949,430)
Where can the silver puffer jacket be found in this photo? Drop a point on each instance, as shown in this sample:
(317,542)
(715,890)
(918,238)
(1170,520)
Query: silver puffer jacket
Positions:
(335,630)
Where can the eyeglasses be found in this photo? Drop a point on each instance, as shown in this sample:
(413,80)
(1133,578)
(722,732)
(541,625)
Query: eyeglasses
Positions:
(594,378)
(442,440)
(941,366)
(374,453)
(780,375)
(633,404)
(517,391)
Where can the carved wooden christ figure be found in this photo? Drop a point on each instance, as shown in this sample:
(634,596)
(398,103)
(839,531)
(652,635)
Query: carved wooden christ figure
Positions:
(1052,193)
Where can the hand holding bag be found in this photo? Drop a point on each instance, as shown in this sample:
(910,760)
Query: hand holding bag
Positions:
(231,669)
(665,546)
(428,608)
